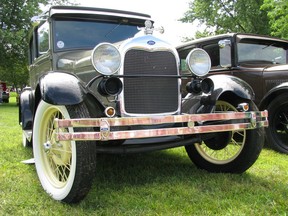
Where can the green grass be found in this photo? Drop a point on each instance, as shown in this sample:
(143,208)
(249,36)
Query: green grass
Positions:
(158,183)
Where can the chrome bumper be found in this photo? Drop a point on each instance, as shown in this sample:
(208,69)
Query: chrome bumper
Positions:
(194,124)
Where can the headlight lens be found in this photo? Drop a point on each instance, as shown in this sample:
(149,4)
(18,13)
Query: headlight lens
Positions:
(198,62)
(106,59)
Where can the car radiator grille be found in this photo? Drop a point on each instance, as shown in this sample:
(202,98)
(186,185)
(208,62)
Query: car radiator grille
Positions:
(150,95)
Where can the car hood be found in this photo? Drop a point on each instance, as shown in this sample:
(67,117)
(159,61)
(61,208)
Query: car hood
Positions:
(276,68)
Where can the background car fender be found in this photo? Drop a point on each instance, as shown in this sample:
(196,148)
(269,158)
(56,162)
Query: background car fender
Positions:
(273,93)
(60,88)
(225,88)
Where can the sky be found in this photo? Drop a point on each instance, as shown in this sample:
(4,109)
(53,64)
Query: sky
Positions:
(165,13)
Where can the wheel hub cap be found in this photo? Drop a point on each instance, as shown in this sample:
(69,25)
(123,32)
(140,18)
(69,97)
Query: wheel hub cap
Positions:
(59,152)
(47,146)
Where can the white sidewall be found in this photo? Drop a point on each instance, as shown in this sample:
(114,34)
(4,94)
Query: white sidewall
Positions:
(58,192)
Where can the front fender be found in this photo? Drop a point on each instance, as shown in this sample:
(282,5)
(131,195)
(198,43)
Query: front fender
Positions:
(60,88)
(222,84)
(226,83)
(273,93)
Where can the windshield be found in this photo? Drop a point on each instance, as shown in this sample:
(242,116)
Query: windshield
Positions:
(261,52)
(75,34)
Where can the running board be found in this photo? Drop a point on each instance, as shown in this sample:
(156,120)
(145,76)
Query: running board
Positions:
(28,134)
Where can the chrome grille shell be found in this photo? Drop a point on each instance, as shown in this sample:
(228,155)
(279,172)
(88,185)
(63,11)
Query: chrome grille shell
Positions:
(150,83)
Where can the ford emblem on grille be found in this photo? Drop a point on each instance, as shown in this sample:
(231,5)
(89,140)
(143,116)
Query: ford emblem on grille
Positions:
(150,42)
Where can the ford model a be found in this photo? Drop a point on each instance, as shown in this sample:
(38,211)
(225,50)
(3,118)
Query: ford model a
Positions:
(100,82)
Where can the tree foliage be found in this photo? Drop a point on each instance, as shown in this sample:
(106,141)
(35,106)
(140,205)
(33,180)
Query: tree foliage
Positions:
(15,16)
(222,16)
(277,11)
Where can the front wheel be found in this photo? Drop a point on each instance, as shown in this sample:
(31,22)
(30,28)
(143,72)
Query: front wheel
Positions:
(228,152)
(65,168)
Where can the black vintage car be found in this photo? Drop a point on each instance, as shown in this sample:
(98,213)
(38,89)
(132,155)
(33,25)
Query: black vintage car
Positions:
(262,62)
(101,82)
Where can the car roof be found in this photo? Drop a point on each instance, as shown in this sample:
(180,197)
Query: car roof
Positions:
(201,40)
(238,35)
(78,10)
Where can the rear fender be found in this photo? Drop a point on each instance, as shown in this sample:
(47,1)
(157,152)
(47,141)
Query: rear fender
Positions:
(26,109)
(60,88)
(273,93)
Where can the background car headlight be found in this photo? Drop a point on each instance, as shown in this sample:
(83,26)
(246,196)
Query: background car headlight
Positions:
(198,62)
(106,59)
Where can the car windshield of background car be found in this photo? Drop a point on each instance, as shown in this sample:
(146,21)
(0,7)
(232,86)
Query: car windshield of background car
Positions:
(262,53)
(75,34)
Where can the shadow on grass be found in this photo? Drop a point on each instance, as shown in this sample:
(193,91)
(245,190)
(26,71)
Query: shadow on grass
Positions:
(168,172)
(134,169)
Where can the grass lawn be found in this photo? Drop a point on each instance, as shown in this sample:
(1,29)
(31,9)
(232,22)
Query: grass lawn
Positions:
(157,183)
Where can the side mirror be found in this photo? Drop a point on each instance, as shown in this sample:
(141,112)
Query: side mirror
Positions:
(225,53)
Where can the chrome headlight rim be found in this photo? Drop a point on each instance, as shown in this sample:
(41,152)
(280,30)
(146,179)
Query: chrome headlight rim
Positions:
(102,63)
(198,62)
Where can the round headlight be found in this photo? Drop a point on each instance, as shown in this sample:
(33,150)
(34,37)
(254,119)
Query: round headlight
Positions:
(198,62)
(106,59)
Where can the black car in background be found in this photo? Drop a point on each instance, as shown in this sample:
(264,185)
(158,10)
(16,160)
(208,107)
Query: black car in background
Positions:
(262,62)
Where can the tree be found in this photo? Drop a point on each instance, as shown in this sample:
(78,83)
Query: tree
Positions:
(222,16)
(15,16)
(277,11)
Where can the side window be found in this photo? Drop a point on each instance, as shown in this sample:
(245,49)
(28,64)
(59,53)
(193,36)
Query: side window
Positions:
(213,52)
(43,38)
(32,47)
